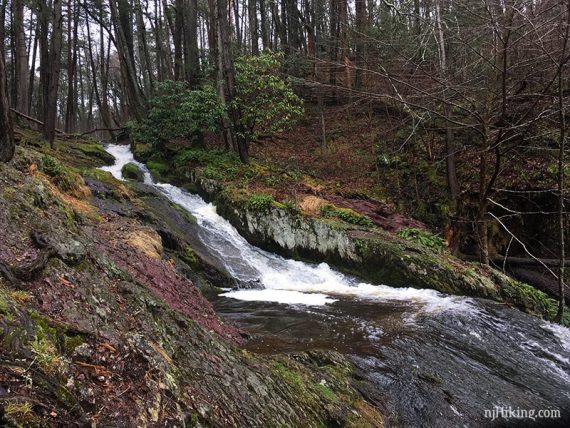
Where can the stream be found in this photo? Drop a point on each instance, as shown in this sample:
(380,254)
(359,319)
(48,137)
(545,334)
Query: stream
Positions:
(425,358)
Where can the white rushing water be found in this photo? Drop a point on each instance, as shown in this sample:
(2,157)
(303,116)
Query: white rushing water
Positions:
(277,279)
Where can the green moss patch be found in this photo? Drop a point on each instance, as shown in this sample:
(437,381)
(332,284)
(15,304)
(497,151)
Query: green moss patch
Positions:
(347,215)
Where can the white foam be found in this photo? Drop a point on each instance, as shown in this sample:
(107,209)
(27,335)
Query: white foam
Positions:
(280,296)
(561,333)
(123,156)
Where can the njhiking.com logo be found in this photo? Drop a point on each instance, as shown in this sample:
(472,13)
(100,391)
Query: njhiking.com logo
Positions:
(508,412)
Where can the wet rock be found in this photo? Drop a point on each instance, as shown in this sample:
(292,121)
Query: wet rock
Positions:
(169,240)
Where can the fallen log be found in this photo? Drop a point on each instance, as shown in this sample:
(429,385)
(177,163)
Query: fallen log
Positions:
(34,120)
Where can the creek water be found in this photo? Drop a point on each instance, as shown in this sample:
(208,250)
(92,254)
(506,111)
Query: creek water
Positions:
(425,358)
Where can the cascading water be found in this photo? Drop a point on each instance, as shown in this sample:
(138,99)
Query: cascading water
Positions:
(280,280)
(434,359)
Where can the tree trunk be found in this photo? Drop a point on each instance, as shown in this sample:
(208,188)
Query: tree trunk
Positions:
(121,18)
(32,70)
(481,219)
(252,15)
(334,31)
(100,94)
(54,71)
(264,27)
(21,57)
(360,41)
(452,182)
(43,25)
(191,60)
(226,73)
(293,25)
(71,110)
(7,142)
(144,56)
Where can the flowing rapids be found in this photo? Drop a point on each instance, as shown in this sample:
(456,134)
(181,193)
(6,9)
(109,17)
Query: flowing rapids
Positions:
(428,359)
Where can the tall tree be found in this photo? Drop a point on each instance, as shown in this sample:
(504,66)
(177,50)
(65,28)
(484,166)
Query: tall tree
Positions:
(253,30)
(53,72)
(71,103)
(360,37)
(191,55)
(121,14)
(7,142)
(20,57)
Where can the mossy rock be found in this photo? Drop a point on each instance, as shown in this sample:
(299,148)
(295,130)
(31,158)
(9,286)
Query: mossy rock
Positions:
(96,151)
(158,168)
(132,172)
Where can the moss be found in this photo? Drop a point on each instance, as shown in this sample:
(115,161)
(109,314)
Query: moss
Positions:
(530,299)
(79,152)
(73,341)
(190,258)
(28,137)
(185,213)
(44,344)
(335,224)
(117,187)
(288,375)
(20,296)
(5,306)
(100,175)
(97,151)
(347,215)
(58,172)
(21,414)
(158,168)
(423,237)
(326,392)
(260,202)
(45,351)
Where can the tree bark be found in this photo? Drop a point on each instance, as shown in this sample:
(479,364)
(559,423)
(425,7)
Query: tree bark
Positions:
(7,142)
(191,59)
(252,16)
(71,109)
(54,71)
(21,57)
(43,26)
(264,26)
(360,41)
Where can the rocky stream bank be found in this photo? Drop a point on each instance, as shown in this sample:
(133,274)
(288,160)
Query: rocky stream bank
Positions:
(102,323)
